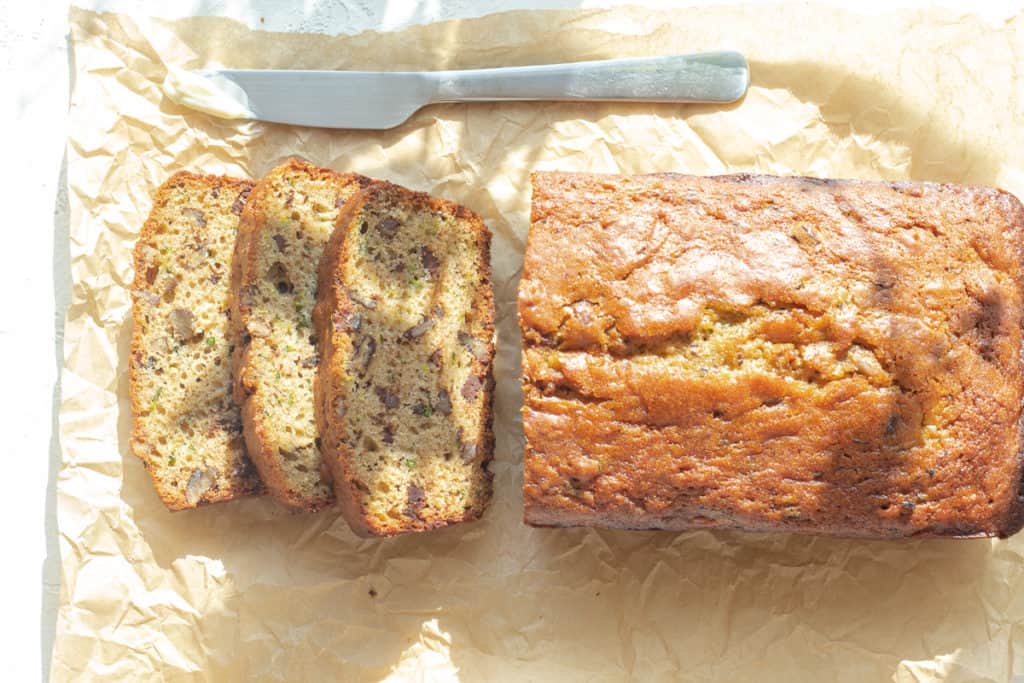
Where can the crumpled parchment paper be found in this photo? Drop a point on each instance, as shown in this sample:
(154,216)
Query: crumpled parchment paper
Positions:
(250,591)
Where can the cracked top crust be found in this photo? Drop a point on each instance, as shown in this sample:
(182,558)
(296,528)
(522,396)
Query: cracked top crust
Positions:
(773,353)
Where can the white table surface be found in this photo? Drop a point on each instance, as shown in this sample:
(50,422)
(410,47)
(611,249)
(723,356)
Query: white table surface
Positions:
(34,264)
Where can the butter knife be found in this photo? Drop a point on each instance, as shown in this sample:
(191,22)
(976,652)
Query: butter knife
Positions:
(384,99)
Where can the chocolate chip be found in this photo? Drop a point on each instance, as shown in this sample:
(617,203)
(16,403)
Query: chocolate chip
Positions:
(471,388)
(388,435)
(389,399)
(420,408)
(311,361)
(279,241)
(236,208)
(435,359)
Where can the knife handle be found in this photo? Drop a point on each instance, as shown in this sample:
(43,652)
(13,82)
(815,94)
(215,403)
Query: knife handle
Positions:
(704,77)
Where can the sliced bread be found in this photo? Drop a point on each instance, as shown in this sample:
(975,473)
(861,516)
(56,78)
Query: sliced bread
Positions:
(187,430)
(405,319)
(285,225)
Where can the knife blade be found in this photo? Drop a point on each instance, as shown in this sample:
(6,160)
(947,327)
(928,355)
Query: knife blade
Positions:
(385,99)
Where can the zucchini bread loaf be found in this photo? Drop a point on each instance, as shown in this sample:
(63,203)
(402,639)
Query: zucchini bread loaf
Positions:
(405,319)
(287,220)
(763,353)
(186,429)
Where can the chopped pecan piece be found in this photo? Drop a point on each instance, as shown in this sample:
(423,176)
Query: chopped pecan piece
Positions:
(471,388)
(420,328)
(416,499)
(195,214)
(389,226)
(183,324)
(388,398)
(362,353)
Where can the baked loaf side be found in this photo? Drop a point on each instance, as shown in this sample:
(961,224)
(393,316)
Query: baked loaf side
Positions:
(406,320)
(286,222)
(187,431)
(769,353)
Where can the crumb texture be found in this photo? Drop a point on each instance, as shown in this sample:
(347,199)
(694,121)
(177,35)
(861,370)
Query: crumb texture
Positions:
(187,429)
(772,353)
(287,221)
(405,319)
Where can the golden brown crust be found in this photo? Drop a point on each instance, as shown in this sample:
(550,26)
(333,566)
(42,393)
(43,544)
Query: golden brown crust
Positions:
(331,302)
(246,382)
(334,307)
(767,353)
(238,479)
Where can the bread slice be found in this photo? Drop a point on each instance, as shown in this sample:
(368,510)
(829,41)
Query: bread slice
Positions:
(187,430)
(285,225)
(405,318)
